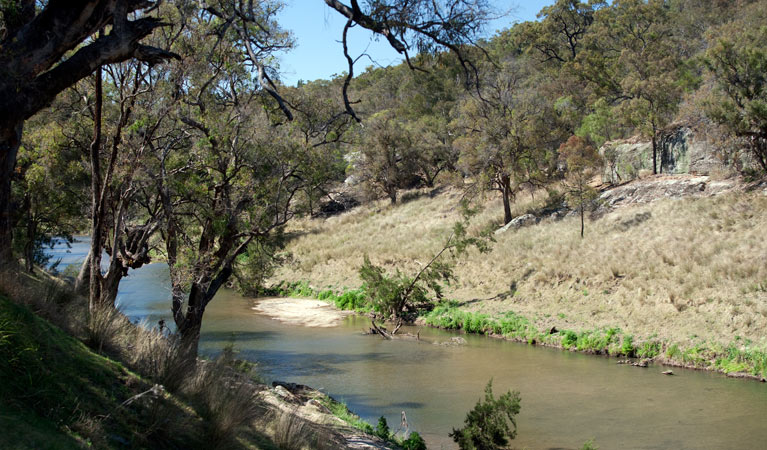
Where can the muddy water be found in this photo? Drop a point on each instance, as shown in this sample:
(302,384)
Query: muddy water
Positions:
(566,398)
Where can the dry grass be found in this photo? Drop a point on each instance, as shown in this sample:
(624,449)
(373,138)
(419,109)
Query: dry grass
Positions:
(693,269)
(292,432)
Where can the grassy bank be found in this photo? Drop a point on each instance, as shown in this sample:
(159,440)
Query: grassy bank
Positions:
(685,277)
(108,384)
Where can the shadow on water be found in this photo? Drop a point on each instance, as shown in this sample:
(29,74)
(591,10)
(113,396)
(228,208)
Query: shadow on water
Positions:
(236,336)
(294,364)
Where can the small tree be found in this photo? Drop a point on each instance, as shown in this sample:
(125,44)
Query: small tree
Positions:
(583,164)
(395,296)
(388,159)
(491,424)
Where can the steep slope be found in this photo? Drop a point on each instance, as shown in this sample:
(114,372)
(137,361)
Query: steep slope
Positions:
(684,264)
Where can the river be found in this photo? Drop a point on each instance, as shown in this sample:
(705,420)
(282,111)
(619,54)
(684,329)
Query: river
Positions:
(567,398)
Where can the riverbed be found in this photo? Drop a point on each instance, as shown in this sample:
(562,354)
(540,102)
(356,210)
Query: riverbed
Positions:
(567,398)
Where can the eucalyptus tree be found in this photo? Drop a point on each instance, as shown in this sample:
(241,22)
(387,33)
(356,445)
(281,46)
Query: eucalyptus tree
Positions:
(125,209)
(737,60)
(504,138)
(51,184)
(46,47)
(559,34)
(388,158)
(417,26)
(583,165)
(631,58)
(238,176)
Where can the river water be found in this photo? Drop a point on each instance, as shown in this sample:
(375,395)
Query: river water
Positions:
(567,398)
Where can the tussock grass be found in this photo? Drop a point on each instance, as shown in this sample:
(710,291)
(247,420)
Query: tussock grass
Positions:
(690,270)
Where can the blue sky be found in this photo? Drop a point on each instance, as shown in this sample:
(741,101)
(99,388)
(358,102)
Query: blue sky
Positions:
(317,30)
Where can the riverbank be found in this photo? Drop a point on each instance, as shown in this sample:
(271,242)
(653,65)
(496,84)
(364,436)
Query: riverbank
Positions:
(733,360)
(111,384)
(681,271)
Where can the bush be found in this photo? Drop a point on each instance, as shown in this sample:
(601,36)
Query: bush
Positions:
(628,348)
(570,339)
(382,430)
(649,349)
(489,425)
(352,300)
(413,442)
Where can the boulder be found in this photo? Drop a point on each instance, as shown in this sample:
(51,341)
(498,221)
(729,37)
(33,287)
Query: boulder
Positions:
(519,222)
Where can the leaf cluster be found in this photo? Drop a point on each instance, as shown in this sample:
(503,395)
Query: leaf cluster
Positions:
(491,424)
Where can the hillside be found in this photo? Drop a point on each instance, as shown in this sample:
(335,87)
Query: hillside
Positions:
(674,258)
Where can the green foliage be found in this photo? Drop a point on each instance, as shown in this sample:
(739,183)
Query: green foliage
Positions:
(599,126)
(398,295)
(340,410)
(589,445)
(413,442)
(257,264)
(627,347)
(737,60)
(55,392)
(294,289)
(649,349)
(382,429)
(491,424)
(391,295)
(569,339)
(583,164)
(355,300)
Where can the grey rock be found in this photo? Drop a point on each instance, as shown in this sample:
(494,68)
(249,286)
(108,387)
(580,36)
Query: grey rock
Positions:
(681,150)
(519,222)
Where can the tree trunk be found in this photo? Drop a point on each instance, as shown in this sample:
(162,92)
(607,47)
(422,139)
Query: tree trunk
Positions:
(654,151)
(189,328)
(97,213)
(10,139)
(582,221)
(109,285)
(393,196)
(29,245)
(506,194)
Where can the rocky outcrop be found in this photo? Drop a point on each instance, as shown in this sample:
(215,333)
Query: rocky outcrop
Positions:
(682,150)
(656,188)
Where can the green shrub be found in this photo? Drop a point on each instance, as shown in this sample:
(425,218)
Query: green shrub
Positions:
(569,339)
(491,424)
(413,442)
(649,349)
(627,348)
(352,300)
(382,429)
